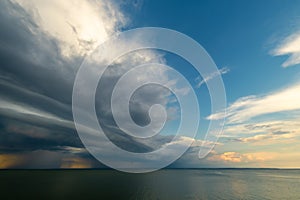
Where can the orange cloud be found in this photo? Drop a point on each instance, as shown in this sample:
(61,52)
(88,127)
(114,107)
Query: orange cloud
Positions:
(75,163)
(10,160)
(43,159)
(236,157)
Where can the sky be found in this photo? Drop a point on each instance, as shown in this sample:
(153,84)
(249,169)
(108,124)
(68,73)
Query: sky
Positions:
(255,45)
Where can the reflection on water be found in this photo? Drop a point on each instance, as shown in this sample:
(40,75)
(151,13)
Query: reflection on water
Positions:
(164,184)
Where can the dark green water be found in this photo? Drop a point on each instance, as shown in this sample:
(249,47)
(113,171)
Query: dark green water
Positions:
(164,184)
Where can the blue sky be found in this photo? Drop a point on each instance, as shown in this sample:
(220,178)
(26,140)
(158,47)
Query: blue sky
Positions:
(238,35)
(241,36)
(255,45)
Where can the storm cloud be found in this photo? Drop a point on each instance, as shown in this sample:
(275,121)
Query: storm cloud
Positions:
(38,68)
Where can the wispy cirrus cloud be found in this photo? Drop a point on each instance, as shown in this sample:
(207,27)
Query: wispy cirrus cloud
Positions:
(266,139)
(290,47)
(280,126)
(249,107)
(202,80)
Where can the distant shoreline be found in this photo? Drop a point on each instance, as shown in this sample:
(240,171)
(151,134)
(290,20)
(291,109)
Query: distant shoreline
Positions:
(100,169)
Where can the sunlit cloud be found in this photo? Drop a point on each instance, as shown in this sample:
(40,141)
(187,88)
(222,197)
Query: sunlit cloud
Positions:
(235,157)
(76,163)
(247,108)
(34,159)
(10,160)
(290,47)
(79,26)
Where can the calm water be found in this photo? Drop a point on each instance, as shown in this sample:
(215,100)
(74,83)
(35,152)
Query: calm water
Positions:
(164,184)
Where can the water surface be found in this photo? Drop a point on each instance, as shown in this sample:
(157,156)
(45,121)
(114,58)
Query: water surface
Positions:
(163,184)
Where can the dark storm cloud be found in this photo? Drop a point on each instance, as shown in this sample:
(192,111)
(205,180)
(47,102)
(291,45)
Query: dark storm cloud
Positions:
(36,88)
(36,83)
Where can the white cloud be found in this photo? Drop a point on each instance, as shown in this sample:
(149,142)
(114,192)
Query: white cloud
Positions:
(204,80)
(267,119)
(291,47)
(79,26)
(249,107)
